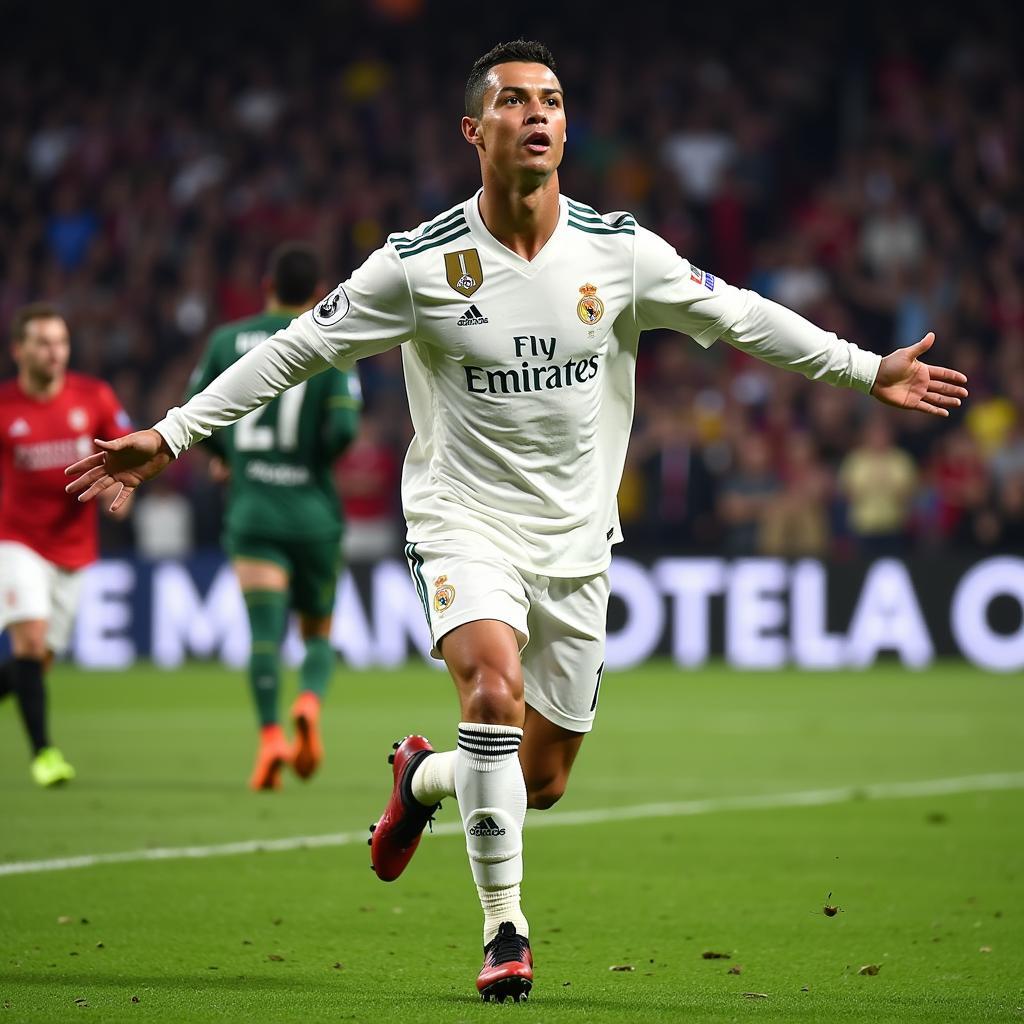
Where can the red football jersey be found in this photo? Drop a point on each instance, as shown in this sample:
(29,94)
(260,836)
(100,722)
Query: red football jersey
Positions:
(38,439)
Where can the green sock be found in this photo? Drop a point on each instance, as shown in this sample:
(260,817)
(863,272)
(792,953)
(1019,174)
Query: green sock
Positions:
(268,616)
(317,666)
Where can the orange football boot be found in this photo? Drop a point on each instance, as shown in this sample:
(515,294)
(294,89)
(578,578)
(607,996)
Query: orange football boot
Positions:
(308,751)
(273,755)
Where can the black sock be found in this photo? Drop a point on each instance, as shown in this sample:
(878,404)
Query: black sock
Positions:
(28,685)
(6,677)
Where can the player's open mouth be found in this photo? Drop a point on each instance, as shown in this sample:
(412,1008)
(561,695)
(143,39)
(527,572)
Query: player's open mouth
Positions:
(538,142)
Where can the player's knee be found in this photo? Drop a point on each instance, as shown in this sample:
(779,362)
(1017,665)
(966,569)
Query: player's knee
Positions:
(492,694)
(313,626)
(29,646)
(544,791)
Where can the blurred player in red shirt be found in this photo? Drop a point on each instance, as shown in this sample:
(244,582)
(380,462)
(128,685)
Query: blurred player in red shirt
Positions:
(47,418)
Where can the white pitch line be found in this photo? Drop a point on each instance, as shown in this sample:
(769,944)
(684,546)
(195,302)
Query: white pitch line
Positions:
(555,819)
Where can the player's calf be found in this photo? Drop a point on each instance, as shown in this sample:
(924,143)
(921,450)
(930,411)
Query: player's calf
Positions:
(544,792)
(492,800)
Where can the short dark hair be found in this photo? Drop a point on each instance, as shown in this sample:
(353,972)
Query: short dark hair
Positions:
(35,311)
(526,50)
(294,273)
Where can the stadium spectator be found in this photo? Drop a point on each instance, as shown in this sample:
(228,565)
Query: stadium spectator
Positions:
(746,495)
(961,483)
(367,477)
(798,282)
(796,521)
(1008,459)
(700,153)
(1009,520)
(892,239)
(878,480)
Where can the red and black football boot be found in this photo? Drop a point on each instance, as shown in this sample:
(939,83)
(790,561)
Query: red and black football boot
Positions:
(393,840)
(507,972)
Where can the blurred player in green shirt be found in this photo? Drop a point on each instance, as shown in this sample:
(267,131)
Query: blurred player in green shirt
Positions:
(284,524)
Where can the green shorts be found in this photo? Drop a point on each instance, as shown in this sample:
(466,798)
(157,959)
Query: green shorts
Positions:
(312,566)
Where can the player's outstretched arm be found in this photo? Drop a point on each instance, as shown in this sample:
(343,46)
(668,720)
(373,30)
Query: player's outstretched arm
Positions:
(907,383)
(124,462)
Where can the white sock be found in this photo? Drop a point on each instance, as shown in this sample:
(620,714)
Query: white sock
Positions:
(501,905)
(434,778)
(492,800)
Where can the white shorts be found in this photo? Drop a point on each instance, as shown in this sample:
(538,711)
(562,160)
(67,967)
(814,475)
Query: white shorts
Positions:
(560,623)
(33,588)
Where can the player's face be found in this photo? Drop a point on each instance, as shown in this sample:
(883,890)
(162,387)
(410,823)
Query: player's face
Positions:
(43,352)
(522,128)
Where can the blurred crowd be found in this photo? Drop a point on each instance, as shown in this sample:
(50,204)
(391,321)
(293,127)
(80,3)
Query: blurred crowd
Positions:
(857,165)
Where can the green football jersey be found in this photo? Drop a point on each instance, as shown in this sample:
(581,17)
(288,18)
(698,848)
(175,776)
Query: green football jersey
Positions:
(280,456)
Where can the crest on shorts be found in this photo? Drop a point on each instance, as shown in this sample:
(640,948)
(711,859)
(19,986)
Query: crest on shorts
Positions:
(78,418)
(444,594)
(590,308)
(463,271)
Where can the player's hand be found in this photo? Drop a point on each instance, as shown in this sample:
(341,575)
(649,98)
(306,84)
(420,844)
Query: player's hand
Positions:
(904,381)
(124,462)
(220,471)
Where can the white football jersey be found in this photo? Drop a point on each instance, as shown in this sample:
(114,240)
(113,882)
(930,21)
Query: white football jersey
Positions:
(520,373)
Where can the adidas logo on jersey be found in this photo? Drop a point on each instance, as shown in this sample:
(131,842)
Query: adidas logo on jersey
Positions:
(19,428)
(486,827)
(472,317)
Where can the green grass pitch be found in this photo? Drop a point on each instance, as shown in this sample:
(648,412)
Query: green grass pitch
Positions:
(931,888)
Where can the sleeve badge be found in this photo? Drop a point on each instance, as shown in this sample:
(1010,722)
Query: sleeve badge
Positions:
(333,309)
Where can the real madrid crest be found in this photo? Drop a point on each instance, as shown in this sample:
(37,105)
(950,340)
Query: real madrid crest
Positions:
(444,594)
(590,308)
(463,271)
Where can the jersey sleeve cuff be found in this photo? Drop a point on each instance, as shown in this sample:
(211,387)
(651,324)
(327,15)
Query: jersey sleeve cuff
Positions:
(173,432)
(864,369)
